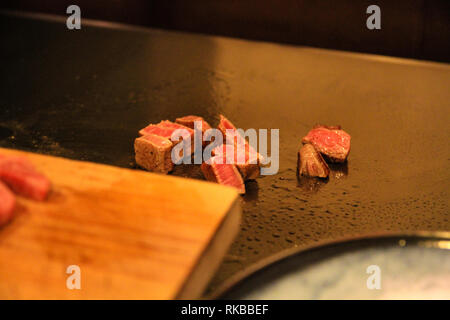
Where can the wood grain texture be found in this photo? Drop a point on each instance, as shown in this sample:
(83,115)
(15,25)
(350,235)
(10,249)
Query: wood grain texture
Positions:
(135,235)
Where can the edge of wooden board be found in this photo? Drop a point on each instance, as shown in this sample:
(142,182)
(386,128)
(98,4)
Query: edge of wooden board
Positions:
(213,255)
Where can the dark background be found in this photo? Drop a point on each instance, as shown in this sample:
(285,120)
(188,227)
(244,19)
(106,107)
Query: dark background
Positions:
(409,28)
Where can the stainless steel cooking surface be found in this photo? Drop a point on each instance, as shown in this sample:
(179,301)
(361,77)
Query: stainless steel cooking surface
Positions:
(85,94)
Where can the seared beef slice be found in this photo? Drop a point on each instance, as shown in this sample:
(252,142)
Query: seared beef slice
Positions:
(248,170)
(153,153)
(249,167)
(332,142)
(311,163)
(223,173)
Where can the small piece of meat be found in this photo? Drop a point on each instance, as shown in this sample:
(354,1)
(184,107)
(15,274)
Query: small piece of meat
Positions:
(310,163)
(189,121)
(250,169)
(238,140)
(7,204)
(166,128)
(333,144)
(153,153)
(246,163)
(223,173)
(21,176)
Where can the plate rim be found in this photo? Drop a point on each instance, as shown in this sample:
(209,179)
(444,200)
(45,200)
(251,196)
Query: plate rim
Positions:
(285,254)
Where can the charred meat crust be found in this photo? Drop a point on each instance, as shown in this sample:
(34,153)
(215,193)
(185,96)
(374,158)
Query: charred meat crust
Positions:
(331,159)
(208,172)
(153,156)
(310,163)
(249,171)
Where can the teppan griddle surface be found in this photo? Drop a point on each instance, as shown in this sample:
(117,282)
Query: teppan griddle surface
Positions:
(84,94)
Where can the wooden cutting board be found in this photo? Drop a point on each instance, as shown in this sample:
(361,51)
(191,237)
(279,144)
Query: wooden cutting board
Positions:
(133,234)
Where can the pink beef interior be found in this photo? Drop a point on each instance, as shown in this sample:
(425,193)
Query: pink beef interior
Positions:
(240,143)
(159,131)
(157,140)
(228,175)
(173,125)
(188,121)
(164,129)
(330,142)
(240,153)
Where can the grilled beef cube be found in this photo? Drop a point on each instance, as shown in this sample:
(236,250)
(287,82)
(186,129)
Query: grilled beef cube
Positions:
(165,129)
(246,163)
(310,163)
(153,153)
(332,142)
(21,176)
(223,173)
(7,204)
(250,167)
(240,141)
